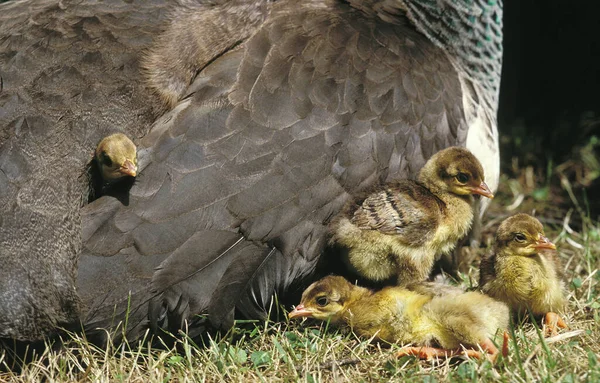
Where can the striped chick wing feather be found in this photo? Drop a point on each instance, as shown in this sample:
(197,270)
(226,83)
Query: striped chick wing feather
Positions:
(406,210)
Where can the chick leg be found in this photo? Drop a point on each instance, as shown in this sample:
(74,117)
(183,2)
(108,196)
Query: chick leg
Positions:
(505,344)
(552,322)
(428,353)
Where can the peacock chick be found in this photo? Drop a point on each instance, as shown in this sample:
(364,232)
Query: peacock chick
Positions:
(436,326)
(398,230)
(524,271)
(113,168)
(116,157)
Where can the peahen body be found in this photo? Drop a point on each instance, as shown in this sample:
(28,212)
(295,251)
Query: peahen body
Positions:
(300,107)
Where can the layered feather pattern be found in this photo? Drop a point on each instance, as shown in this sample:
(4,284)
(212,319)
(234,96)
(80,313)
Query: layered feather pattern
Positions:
(68,77)
(321,102)
(315,102)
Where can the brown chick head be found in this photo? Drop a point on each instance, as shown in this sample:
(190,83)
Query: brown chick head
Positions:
(455,170)
(116,156)
(521,235)
(325,299)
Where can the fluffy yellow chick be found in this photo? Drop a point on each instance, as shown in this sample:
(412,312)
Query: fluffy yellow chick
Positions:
(398,230)
(399,315)
(116,157)
(523,272)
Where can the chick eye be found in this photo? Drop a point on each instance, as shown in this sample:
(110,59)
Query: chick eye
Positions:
(462,178)
(106,159)
(322,301)
(520,237)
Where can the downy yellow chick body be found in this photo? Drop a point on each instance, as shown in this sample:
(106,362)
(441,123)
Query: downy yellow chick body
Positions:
(399,315)
(523,272)
(398,230)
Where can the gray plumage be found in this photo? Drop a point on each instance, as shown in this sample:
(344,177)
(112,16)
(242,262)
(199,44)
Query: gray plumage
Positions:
(314,102)
(202,32)
(70,76)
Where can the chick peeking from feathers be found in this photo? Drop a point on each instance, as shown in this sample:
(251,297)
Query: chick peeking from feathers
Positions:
(113,167)
(436,326)
(524,271)
(116,157)
(399,229)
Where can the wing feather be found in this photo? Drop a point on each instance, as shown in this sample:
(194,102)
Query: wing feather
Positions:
(399,210)
(245,173)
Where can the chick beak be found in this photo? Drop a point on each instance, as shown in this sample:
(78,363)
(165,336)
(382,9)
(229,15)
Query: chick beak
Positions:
(544,243)
(483,190)
(299,312)
(128,169)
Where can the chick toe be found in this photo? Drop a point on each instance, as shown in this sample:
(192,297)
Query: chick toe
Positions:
(553,321)
(427,353)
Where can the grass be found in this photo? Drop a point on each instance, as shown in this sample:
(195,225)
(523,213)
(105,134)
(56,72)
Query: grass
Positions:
(306,352)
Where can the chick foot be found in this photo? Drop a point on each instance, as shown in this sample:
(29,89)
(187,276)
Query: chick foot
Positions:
(491,351)
(552,322)
(428,353)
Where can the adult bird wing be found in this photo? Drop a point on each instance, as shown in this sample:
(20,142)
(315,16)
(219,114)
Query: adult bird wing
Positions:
(68,76)
(323,101)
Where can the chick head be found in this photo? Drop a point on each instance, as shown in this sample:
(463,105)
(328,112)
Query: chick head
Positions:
(521,235)
(455,170)
(325,299)
(116,156)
